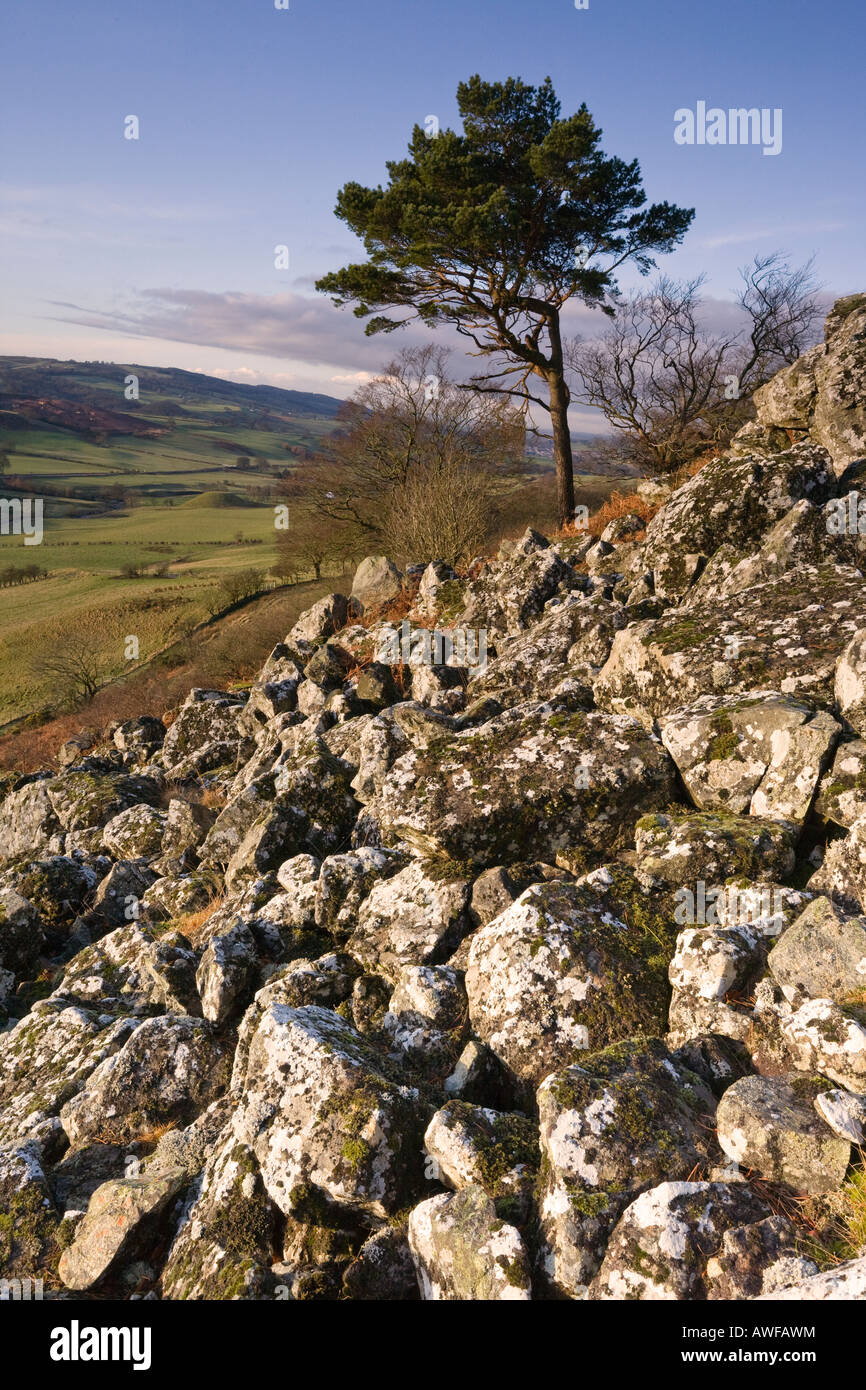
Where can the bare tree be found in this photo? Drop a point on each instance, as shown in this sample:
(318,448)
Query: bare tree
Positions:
(311,541)
(413,433)
(669,388)
(74,665)
(444,511)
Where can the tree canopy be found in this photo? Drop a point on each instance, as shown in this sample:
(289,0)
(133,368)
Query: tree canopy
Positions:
(494,230)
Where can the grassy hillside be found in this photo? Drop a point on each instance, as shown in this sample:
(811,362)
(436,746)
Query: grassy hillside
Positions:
(152,506)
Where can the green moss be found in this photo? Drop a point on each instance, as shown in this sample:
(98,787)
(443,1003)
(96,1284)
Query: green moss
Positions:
(356,1153)
(725,741)
(28,1235)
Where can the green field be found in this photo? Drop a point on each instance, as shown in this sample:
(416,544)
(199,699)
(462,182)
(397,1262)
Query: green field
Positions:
(173,507)
(87,594)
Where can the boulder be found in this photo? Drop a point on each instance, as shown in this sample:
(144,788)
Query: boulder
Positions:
(318,1109)
(168,1070)
(205,734)
(845,1281)
(416,917)
(822,955)
(135,970)
(822,1038)
(474,1145)
(763,1125)
(842,875)
(764,755)
(135,833)
(844,1113)
(529,782)
(27,820)
(785,635)
(850,683)
(226,1242)
(46,1059)
(685,848)
(326,617)
(822,392)
(462,1251)
(227,971)
(731,499)
(555,976)
(21,934)
(842,791)
(82,799)
(377,579)
(117,1218)
(667,1236)
(625,1118)
(753,1258)
(29,1219)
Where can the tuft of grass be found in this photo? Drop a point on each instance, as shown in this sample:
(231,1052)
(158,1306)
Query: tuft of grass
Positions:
(192,924)
(854,1214)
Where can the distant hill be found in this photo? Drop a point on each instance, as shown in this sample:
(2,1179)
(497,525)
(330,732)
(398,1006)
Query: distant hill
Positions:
(217,499)
(100,385)
(68,428)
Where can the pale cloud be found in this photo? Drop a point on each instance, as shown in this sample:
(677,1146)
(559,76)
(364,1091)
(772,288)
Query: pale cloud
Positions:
(750,234)
(281,325)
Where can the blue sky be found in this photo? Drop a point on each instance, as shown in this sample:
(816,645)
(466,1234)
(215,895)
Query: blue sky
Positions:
(161,250)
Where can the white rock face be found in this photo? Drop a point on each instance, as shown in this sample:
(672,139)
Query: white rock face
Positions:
(665,1238)
(317,1109)
(461,1251)
(846,1281)
(826,1040)
(764,1126)
(851,681)
(553,976)
(376,580)
(844,1113)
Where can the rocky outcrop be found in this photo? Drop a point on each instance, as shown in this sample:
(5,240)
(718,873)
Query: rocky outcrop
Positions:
(542,977)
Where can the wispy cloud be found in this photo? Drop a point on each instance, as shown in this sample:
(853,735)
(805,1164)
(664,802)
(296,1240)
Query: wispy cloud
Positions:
(286,325)
(780,234)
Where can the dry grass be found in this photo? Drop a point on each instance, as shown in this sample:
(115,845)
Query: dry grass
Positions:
(213,797)
(833,1227)
(192,924)
(153,1135)
(393,611)
(617,504)
(149,1138)
(854,1216)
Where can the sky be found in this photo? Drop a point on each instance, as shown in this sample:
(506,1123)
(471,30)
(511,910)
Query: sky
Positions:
(160,250)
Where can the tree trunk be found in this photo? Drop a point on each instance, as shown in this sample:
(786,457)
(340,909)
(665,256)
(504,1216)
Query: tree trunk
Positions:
(559,401)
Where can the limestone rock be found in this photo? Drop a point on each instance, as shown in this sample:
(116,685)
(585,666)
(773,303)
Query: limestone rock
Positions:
(463,1251)
(822,955)
(168,1070)
(554,976)
(117,1213)
(764,1126)
(377,579)
(667,1236)
(624,1119)
(319,1110)
(414,918)
(527,783)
